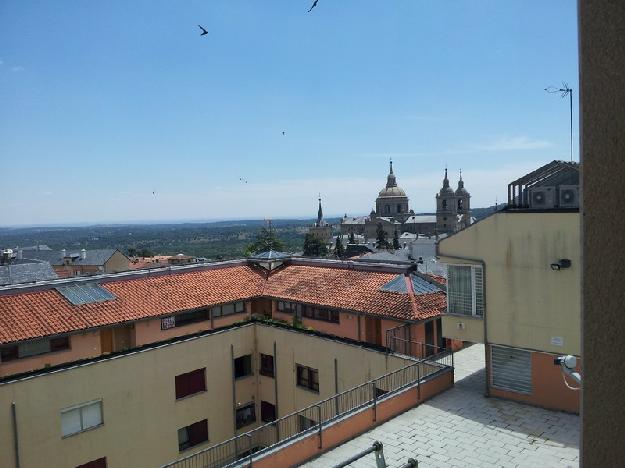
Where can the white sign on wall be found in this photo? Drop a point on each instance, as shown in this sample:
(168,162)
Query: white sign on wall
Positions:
(557,340)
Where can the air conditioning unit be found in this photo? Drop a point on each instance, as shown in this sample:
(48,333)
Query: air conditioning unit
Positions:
(569,196)
(542,198)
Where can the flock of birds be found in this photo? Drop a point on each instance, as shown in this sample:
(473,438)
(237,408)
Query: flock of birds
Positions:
(205,32)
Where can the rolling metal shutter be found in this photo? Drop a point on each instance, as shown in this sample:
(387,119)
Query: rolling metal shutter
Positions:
(511,369)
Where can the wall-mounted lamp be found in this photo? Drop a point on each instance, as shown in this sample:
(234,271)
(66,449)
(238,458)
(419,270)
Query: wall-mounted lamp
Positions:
(561,264)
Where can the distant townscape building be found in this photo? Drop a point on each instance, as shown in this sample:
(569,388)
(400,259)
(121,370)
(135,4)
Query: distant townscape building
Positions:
(453,208)
(520,269)
(392,212)
(83,262)
(321,229)
(15,270)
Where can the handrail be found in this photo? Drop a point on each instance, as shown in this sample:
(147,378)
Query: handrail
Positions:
(377,447)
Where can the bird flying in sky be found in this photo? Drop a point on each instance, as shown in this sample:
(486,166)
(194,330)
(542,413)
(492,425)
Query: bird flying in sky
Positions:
(283,133)
(313,5)
(242,180)
(204,31)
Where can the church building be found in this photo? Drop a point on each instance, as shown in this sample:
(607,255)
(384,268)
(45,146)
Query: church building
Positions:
(392,211)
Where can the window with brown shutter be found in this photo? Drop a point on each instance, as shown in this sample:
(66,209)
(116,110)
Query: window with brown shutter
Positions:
(267,411)
(99,463)
(266,365)
(190,383)
(192,435)
(308,378)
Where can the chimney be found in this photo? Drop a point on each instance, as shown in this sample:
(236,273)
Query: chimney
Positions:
(20,253)
(83,254)
(6,256)
(63,253)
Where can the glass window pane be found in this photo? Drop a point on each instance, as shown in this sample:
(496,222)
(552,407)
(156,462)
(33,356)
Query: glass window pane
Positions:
(227,309)
(216,311)
(70,422)
(92,415)
(459,289)
(33,348)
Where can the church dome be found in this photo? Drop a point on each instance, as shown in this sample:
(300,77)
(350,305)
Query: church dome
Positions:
(391,190)
(461,190)
(446,189)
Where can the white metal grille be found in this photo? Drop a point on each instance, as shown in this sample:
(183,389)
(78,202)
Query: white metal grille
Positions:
(511,369)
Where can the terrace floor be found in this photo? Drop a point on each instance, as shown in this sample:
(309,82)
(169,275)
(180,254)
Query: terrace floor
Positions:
(462,428)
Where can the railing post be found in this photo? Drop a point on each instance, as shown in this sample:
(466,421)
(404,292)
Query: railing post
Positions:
(380,462)
(250,449)
(375,401)
(320,426)
(418,382)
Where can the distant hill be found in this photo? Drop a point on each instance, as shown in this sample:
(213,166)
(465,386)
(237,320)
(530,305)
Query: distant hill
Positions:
(213,240)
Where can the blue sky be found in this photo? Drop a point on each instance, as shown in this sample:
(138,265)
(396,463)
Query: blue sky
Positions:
(103,103)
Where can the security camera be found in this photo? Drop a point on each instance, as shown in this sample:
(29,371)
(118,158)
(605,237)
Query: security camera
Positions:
(568,364)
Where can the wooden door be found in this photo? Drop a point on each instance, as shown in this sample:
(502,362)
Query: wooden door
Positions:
(106,340)
(121,338)
(373,330)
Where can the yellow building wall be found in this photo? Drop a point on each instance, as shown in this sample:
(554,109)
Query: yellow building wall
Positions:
(527,303)
(118,262)
(140,412)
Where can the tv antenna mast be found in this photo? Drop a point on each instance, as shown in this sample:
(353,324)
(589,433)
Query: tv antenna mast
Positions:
(565,90)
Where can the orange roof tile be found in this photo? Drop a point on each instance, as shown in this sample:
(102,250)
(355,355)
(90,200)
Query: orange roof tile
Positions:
(35,314)
(352,290)
(27,315)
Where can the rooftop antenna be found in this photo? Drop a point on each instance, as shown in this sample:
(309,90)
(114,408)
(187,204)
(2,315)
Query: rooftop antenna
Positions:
(565,90)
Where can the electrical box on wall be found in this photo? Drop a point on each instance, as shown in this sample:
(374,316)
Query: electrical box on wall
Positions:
(461,326)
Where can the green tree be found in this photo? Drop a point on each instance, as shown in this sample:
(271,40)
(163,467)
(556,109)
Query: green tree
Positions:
(380,238)
(132,252)
(314,247)
(266,239)
(396,245)
(352,238)
(339,250)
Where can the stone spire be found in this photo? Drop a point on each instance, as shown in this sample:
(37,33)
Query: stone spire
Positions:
(319,213)
(390,180)
(445,180)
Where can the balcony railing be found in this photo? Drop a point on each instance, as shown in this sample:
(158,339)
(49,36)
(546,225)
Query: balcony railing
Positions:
(397,342)
(310,420)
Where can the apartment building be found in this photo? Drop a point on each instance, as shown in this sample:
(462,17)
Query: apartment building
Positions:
(514,284)
(154,404)
(67,320)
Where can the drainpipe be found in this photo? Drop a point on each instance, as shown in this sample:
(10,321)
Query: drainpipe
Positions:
(16,447)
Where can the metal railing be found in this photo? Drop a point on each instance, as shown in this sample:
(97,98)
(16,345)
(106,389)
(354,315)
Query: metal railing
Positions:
(397,341)
(310,420)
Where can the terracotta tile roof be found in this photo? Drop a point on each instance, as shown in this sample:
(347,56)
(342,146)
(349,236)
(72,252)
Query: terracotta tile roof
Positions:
(352,290)
(28,315)
(35,314)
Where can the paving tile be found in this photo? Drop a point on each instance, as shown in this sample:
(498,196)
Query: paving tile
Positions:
(462,428)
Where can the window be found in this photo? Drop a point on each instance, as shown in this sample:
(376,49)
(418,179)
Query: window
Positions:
(460,204)
(190,383)
(243,366)
(80,418)
(192,435)
(387,208)
(306,423)
(398,208)
(228,309)
(267,412)
(285,306)
(266,365)
(465,290)
(186,318)
(34,348)
(511,369)
(308,378)
(99,463)
(246,415)
(317,313)
(444,204)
